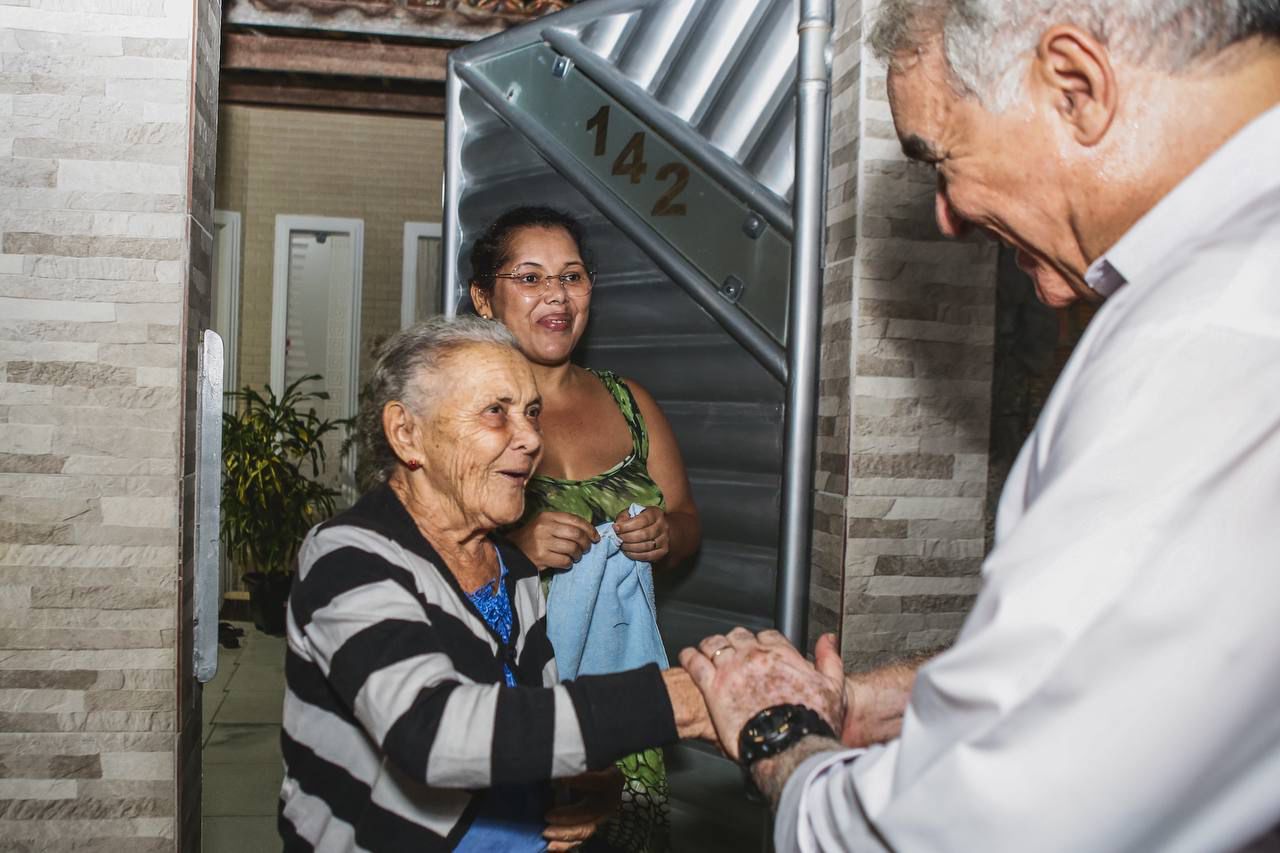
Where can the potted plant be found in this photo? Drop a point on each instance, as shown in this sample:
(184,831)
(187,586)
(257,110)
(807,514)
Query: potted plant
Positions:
(272,455)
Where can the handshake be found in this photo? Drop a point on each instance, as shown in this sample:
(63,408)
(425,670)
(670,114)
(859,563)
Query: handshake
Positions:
(728,679)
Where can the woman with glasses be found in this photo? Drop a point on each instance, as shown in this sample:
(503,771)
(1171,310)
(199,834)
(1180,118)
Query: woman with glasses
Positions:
(607,445)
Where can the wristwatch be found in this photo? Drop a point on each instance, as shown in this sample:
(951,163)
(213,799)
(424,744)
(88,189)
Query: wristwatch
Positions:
(775,729)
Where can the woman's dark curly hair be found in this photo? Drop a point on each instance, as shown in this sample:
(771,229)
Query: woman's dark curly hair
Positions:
(492,248)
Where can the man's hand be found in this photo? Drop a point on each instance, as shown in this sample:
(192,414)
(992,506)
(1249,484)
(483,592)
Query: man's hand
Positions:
(876,699)
(742,674)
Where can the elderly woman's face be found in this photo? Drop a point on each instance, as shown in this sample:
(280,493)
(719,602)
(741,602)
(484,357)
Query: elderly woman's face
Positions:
(481,436)
(549,322)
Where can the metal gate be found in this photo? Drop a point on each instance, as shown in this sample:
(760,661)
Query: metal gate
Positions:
(669,127)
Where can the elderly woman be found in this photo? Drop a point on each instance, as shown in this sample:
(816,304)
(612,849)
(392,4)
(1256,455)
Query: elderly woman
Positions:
(422,709)
(608,444)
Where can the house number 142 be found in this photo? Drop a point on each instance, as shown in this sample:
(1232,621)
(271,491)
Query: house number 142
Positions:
(630,163)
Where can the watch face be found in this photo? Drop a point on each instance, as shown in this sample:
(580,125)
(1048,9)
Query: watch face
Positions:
(775,729)
(767,722)
(768,733)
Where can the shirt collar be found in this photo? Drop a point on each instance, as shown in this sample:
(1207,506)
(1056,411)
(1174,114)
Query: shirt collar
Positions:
(1238,172)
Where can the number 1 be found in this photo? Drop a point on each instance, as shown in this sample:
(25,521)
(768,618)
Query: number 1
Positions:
(600,123)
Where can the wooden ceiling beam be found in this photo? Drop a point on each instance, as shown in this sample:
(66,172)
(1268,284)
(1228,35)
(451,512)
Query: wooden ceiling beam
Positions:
(316,97)
(332,57)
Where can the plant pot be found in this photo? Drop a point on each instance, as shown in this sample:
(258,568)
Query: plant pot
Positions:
(268,598)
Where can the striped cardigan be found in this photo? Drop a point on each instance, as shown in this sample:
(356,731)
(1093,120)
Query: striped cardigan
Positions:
(396,714)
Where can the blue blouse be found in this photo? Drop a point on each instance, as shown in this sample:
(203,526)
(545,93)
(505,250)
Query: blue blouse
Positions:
(495,607)
(511,817)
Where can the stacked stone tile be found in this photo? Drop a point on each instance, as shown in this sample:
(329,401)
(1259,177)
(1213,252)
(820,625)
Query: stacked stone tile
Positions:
(906,385)
(96,128)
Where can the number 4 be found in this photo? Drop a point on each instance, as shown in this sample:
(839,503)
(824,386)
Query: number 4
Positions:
(633,151)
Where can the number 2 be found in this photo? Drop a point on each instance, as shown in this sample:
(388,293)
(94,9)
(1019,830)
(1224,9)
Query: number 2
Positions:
(630,163)
(666,205)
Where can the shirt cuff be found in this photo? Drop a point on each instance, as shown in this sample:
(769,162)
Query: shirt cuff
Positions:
(788,834)
(622,713)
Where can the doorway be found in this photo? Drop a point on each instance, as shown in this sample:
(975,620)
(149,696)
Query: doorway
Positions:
(226,322)
(226,289)
(420,288)
(315,323)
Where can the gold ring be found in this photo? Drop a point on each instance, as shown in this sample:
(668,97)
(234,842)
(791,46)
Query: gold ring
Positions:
(717,652)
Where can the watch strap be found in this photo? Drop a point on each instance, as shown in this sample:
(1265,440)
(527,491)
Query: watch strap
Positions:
(777,728)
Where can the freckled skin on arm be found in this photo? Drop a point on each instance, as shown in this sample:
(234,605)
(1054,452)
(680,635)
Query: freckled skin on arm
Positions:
(666,466)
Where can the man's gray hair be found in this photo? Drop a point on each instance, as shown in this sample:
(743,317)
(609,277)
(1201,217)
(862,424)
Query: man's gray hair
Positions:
(983,39)
(408,371)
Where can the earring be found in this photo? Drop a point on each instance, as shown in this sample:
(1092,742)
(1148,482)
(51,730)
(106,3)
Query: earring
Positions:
(413,464)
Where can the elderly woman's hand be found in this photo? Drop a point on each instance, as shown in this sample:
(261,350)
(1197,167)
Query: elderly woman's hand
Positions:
(554,540)
(599,795)
(645,537)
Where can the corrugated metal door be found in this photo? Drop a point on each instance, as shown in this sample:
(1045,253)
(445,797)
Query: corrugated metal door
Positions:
(525,123)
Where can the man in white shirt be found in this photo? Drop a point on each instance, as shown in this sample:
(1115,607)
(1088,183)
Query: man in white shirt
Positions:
(1117,685)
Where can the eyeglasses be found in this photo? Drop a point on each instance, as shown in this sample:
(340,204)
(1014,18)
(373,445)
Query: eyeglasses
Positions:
(576,283)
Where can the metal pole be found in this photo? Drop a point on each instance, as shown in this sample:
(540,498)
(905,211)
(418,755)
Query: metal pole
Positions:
(208,506)
(450,286)
(804,334)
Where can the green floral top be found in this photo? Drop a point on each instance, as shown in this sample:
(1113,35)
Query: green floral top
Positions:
(603,497)
(643,822)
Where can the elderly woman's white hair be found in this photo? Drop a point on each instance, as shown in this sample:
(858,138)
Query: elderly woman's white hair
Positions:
(983,39)
(407,369)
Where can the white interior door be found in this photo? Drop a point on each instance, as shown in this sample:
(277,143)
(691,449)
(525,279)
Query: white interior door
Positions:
(226,322)
(315,323)
(226,290)
(420,285)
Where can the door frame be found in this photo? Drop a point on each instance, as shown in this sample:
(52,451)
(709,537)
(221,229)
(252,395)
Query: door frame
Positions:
(409,267)
(232,233)
(232,228)
(286,223)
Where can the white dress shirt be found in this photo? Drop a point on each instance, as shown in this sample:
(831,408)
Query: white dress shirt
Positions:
(1117,685)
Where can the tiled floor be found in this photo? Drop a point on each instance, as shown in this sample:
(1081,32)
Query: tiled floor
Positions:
(242,768)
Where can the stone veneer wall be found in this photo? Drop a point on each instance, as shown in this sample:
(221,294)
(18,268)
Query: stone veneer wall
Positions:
(202,156)
(906,385)
(97,225)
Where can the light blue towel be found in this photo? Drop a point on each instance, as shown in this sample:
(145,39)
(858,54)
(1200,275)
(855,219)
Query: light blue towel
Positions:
(601,616)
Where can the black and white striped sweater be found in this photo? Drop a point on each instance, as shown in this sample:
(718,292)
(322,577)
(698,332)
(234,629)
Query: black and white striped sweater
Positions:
(396,710)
